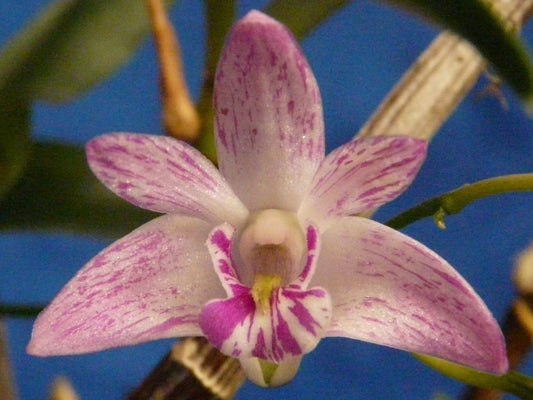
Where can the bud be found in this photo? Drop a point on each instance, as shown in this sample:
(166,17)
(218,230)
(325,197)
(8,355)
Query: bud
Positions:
(523,273)
(62,390)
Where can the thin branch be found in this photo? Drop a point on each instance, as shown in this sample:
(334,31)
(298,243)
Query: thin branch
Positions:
(454,202)
(7,386)
(192,370)
(180,118)
(20,311)
(220,17)
(437,82)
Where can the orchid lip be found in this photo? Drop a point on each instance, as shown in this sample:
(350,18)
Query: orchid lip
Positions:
(272,243)
(269,321)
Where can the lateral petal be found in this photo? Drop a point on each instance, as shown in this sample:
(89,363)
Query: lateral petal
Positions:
(391,290)
(149,285)
(165,175)
(268,114)
(361,175)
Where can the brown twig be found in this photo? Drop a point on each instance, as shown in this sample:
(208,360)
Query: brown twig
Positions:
(193,370)
(7,387)
(180,118)
(518,324)
(437,82)
(62,390)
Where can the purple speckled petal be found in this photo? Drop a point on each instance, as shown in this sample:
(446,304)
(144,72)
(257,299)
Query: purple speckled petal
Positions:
(362,175)
(388,289)
(151,284)
(269,122)
(293,326)
(164,175)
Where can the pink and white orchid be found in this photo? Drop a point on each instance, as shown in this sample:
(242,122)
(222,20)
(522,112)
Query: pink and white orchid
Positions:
(265,257)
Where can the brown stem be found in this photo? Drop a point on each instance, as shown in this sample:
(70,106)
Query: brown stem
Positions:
(193,370)
(63,390)
(437,82)
(7,387)
(180,118)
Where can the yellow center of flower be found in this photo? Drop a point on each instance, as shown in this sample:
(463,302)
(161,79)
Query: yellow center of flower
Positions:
(262,290)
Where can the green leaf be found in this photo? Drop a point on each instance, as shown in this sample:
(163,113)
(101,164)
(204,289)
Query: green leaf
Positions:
(513,382)
(14,140)
(301,17)
(72,46)
(475,22)
(67,49)
(58,192)
(20,310)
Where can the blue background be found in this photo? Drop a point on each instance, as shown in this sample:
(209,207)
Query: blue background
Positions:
(357,57)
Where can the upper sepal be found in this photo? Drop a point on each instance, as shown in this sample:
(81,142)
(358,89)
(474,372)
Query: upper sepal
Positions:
(268,114)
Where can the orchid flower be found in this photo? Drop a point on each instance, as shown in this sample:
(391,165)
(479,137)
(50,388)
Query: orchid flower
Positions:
(264,257)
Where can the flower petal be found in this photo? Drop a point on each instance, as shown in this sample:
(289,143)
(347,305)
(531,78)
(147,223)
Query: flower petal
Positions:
(219,247)
(271,375)
(151,284)
(362,175)
(293,326)
(269,123)
(389,289)
(164,175)
(313,247)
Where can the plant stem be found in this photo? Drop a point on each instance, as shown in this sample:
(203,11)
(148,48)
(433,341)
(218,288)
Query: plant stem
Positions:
(7,385)
(438,81)
(455,201)
(193,370)
(180,118)
(20,311)
(219,16)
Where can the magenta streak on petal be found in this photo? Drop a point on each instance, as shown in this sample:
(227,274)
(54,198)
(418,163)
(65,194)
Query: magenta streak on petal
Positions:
(259,349)
(163,175)
(158,330)
(313,246)
(450,279)
(301,312)
(287,341)
(220,318)
(219,246)
(427,282)
(362,175)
